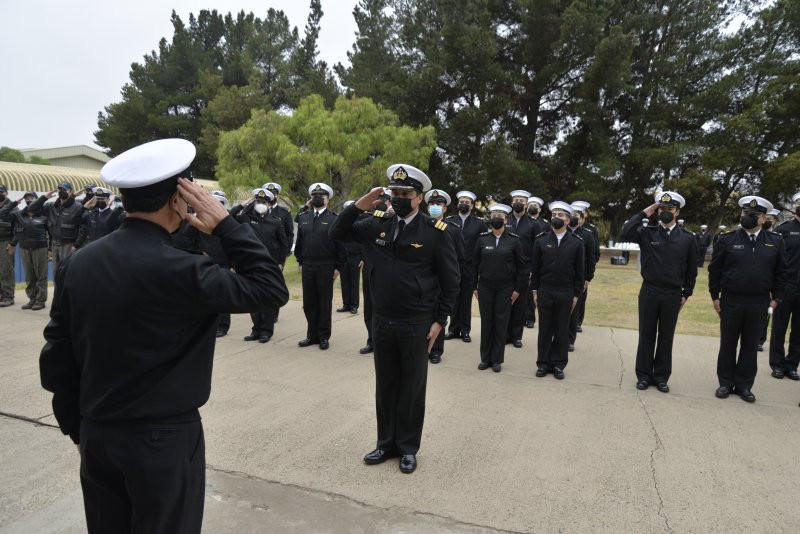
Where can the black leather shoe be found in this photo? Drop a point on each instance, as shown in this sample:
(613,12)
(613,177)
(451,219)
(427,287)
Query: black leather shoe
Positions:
(6,303)
(579,329)
(306,342)
(483,366)
(760,348)
(408,463)
(558,373)
(528,324)
(517,343)
(378,456)
(541,371)
(642,384)
(366,349)
(722,392)
(662,387)
(778,373)
(263,339)
(451,335)
(466,339)
(221,333)
(37,306)
(252,337)
(354,309)
(28,306)
(571,348)
(343,309)
(791,373)
(746,395)
(435,358)
(496,367)
(323,344)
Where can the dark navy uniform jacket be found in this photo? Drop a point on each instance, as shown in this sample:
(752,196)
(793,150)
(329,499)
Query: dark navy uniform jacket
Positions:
(739,268)
(502,263)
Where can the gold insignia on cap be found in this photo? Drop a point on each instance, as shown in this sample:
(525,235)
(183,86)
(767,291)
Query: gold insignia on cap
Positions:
(753,203)
(261,194)
(400,174)
(666,198)
(271,187)
(318,188)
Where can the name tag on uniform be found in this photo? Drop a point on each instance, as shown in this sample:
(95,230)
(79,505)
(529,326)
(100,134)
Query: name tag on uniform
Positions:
(323,222)
(549,245)
(380,242)
(655,243)
(794,233)
(488,248)
(768,245)
(738,247)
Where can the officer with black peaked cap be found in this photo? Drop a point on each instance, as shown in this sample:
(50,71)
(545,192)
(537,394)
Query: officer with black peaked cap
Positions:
(133,410)
(412,256)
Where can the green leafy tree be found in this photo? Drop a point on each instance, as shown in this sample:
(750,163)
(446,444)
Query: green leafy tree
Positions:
(348,147)
(11,154)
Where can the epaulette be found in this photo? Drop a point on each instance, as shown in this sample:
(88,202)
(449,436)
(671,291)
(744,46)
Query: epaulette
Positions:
(378,213)
(590,225)
(778,234)
(453,223)
(512,234)
(577,236)
(540,234)
(485,233)
(687,231)
(439,225)
(729,232)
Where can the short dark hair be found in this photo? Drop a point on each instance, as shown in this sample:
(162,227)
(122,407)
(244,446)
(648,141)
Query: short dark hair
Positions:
(145,204)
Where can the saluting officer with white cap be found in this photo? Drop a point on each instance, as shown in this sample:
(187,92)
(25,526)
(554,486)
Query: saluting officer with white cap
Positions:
(668,255)
(471,227)
(161,325)
(320,259)
(415,280)
(747,274)
(558,266)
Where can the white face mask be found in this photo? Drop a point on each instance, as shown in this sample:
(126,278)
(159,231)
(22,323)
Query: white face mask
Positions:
(261,209)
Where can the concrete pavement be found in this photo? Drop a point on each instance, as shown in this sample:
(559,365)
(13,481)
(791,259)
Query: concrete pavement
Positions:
(286,429)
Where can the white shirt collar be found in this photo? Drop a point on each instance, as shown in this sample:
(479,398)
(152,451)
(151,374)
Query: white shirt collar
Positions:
(319,211)
(410,218)
(753,233)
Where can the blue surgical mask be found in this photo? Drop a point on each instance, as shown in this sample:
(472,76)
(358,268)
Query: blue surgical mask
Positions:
(435,210)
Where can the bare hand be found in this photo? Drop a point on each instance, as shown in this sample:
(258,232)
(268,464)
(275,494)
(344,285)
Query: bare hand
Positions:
(370,200)
(335,274)
(514,296)
(773,304)
(72,249)
(281,266)
(89,205)
(717,307)
(683,301)
(574,303)
(650,210)
(361,264)
(51,193)
(585,286)
(433,333)
(10,249)
(475,293)
(208,212)
(49,255)
(536,298)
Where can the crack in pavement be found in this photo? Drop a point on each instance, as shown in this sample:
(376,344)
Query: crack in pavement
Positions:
(659,447)
(619,354)
(31,420)
(256,478)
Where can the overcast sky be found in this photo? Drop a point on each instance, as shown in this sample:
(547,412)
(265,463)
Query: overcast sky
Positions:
(63,61)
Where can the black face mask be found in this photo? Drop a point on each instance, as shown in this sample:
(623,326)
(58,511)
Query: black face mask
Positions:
(557,223)
(533,211)
(666,217)
(767,225)
(573,221)
(797,211)
(402,206)
(463,208)
(497,223)
(63,195)
(2,198)
(382,206)
(89,196)
(518,207)
(748,222)
(101,204)
(317,201)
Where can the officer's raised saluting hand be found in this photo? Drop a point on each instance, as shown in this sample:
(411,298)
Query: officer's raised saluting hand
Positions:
(51,193)
(650,210)
(208,211)
(370,200)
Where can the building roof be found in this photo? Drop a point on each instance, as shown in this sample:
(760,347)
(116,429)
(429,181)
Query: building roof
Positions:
(66,152)
(29,177)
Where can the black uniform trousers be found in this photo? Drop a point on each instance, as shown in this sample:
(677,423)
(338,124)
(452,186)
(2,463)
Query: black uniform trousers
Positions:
(366,274)
(580,309)
(575,319)
(658,316)
(224,322)
(401,375)
(516,322)
(318,300)
(143,476)
(461,320)
(495,306)
(530,309)
(740,325)
(764,328)
(264,322)
(350,281)
(554,311)
(787,313)
(701,256)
